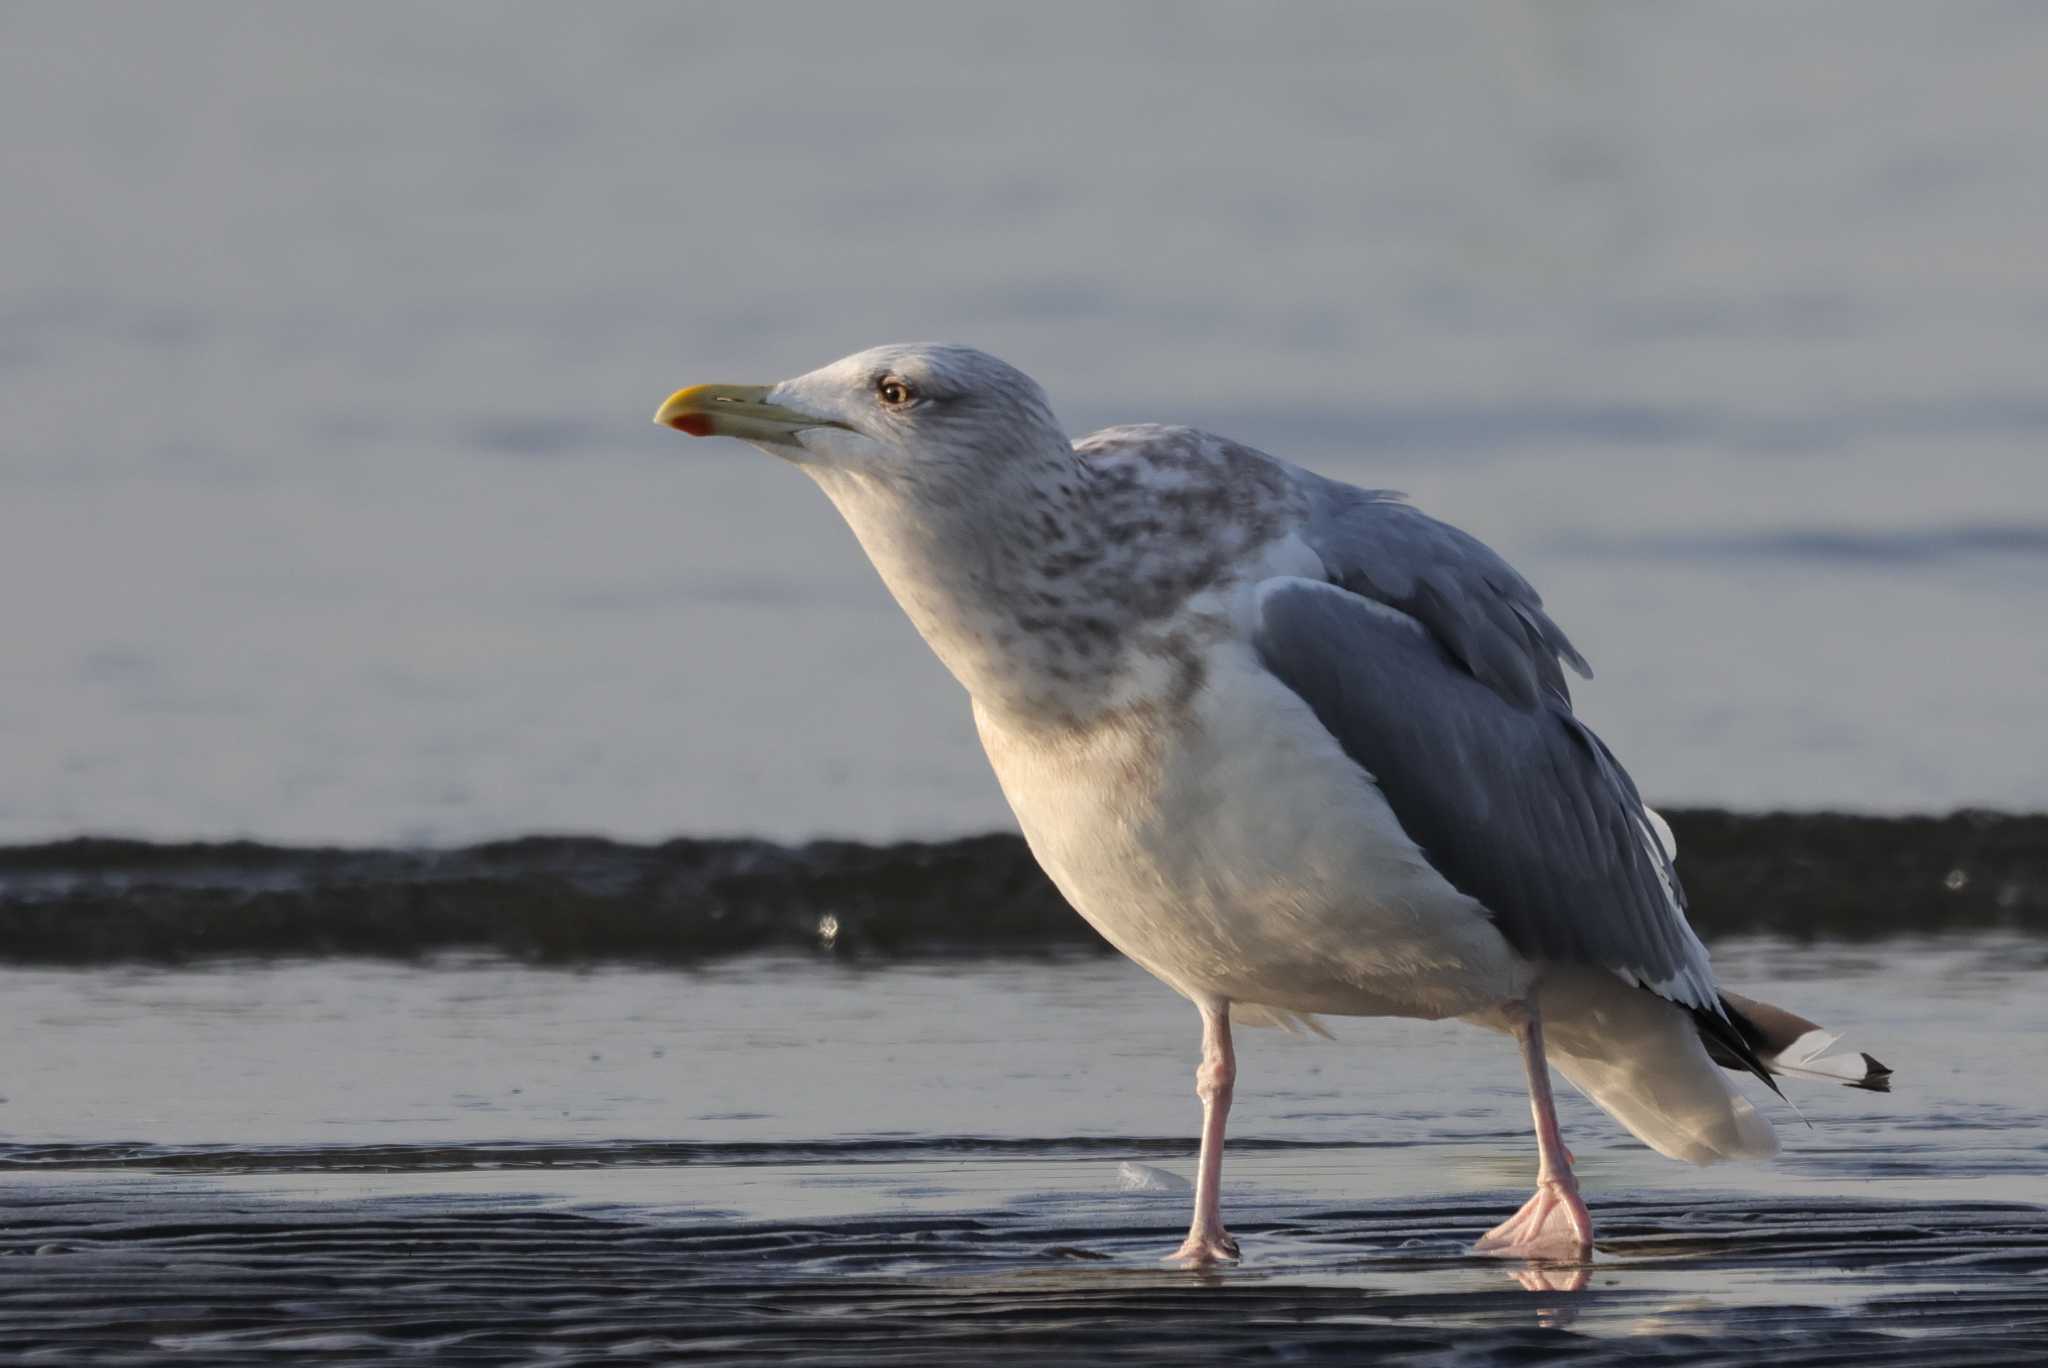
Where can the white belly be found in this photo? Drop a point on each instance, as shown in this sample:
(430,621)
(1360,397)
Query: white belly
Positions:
(1240,855)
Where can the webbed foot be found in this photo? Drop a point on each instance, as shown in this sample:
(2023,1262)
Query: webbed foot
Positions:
(1553,1224)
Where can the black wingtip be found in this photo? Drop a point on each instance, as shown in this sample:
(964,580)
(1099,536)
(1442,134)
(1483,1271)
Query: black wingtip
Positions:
(1732,1040)
(1876,1077)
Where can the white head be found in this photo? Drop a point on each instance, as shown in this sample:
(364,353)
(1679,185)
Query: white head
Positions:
(927,413)
(1027,567)
(950,469)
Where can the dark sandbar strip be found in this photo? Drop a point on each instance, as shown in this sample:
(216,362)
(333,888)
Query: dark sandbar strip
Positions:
(566,899)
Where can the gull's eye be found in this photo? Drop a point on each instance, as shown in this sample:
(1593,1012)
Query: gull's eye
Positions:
(893,391)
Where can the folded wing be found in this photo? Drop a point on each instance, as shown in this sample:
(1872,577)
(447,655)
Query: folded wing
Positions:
(1519,807)
(1487,618)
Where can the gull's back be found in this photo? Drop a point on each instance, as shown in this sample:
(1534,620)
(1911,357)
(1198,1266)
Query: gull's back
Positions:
(1205,821)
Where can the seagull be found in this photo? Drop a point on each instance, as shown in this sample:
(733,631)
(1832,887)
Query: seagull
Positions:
(1295,747)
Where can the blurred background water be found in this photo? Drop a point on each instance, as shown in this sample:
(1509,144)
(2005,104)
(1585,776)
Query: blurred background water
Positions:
(329,509)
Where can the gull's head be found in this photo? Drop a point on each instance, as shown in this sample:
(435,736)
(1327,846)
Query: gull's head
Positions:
(918,410)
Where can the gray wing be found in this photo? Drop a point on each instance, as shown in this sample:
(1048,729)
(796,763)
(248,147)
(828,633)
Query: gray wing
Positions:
(1520,807)
(1487,616)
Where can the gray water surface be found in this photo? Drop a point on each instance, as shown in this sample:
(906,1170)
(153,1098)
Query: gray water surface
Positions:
(330,511)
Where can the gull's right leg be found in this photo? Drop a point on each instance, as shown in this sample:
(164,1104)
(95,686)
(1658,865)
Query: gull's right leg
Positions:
(1208,1242)
(1553,1224)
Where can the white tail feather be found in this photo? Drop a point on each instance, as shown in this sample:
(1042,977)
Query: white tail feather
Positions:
(1808,1057)
(1794,1046)
(1639,1058)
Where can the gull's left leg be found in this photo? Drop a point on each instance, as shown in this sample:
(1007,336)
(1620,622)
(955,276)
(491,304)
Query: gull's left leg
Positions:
(1554,1224)
(1208,1242)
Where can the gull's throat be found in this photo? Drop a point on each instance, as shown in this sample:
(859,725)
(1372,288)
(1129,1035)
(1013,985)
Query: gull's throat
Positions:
(987,586)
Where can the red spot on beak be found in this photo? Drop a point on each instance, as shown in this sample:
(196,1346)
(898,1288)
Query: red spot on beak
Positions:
(696,424)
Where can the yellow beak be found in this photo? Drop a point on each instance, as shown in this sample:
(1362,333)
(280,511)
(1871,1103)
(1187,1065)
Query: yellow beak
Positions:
(734,411)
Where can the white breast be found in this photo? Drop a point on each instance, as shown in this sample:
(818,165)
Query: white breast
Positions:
(1236,852)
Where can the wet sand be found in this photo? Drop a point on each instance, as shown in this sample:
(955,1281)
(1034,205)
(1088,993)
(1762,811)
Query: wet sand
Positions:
(172,1273)
(793,1159)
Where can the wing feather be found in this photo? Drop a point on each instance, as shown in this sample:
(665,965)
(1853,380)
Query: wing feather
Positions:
(1518,805)
(1488,618)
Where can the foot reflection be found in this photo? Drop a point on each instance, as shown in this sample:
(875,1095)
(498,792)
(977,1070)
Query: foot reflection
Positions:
(1554,1277)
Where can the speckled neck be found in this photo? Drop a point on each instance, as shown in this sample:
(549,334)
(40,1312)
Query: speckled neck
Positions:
(1065,587)
(987,572)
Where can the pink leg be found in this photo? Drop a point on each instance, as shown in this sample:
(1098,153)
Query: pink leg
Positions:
(1553,1224)
(1208,1242)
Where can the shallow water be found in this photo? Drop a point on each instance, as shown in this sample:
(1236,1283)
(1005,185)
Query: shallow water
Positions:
(790,1155)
